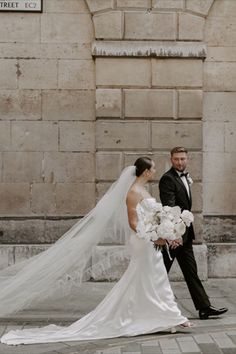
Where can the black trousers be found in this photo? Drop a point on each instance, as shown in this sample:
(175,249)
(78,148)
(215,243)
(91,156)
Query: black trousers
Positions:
(185,257)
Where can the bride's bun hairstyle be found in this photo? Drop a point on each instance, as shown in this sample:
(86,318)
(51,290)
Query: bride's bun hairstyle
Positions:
(142,164)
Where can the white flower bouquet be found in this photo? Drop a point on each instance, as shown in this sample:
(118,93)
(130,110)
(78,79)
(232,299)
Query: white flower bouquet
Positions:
(165,222)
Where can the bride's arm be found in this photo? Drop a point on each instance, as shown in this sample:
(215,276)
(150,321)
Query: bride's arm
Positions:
(132,200)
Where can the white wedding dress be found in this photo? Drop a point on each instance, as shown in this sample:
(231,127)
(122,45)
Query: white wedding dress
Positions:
(141,302)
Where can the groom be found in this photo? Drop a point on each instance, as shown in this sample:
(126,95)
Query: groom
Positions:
(175,190)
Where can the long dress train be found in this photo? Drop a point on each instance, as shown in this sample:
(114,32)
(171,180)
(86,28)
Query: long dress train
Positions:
(141,302)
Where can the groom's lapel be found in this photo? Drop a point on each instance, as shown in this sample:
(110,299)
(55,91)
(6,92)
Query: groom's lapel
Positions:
(179,180)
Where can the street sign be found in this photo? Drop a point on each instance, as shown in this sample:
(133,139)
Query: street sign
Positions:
(21,5)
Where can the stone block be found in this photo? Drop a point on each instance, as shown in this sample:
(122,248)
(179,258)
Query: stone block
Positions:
(196,190)
(198,227)
(230,137)
(20,167)
(168,4)
(221,260)
(97,5)
(1,166)
(220,76)
(224,8)
(23,252)
(221,53)
(190,104)
(122,135)
(213,136)
(23,231)
(48,50)
(108,165)
(195,165)
(199,6)
(191,27)
(148,25)
(76,74)
(221,31)
(213,165)
(54,229)
(219,198)
(81,136)
(119,263)
(37,74)
(5,136)
(123,72)
(20,104)
(101,189)
(68,167)
(6,256)
(219,229)
(177,72)
(74,198)
(108,103)
(15,199)
(200,253)
(66,6)
(134,3)
(66,28)
(43,198)
(20,28)
(34,136)
(219,106)
(68,105)
(108,25)
(166,135)
(150,103)
(8,73)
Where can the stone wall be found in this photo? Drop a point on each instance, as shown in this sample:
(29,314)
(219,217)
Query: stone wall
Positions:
(143,63)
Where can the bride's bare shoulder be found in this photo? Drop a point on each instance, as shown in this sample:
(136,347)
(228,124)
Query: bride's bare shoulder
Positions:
(133,196)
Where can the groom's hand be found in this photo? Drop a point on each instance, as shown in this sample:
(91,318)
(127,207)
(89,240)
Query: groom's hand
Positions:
(176,243)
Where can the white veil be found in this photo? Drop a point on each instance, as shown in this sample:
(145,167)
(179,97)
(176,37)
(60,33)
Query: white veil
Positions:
(68,261)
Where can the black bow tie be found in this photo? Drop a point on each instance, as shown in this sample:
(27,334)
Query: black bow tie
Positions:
(184,174)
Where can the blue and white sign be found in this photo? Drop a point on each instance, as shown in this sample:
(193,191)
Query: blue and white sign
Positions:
(21,5)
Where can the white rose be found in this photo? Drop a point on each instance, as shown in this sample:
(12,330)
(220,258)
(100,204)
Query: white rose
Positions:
(180,229)
(187,217)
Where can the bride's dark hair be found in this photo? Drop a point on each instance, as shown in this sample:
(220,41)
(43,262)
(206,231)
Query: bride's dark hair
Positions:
(142,164)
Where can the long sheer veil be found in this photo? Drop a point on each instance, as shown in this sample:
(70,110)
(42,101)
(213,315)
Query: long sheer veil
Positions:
(68,261)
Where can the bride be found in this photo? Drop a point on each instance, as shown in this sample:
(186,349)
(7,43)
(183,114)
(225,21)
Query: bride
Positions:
(141,302)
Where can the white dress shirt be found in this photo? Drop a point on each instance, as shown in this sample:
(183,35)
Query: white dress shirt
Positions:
(184,180)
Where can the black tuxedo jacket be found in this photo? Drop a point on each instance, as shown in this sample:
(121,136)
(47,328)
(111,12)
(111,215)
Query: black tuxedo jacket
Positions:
(173,192)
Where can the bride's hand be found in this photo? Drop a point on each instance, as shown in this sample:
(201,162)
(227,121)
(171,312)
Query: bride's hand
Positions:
(160,242)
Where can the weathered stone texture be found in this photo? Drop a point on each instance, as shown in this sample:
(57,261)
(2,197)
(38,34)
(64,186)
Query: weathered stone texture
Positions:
(168,4)
(99,5)
(134,3)
(20,167)
(123,72)
(221,54)
(5,136)
(68,167)
(219,229)
(219,106)
(196,189)
(20,104)
(108,25)
(34,136)
(37,74)
(148,25)
(108,102)
(190,104)
(122,135)
(43,200)
(218,255)
(76,74)
(200,6)
(221,31)
(108,165)
(66,28)
(15,198)
(213,139)
(81,136)
(166,135)
(230,137)
(220,76)
(68,105)
(74,198)
(191,27)
(221,8)
(150,103)
(8,74)
(66,6)
(176,72)
(219,203)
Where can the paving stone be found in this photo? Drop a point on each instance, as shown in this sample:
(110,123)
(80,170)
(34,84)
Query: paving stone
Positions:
(223,341)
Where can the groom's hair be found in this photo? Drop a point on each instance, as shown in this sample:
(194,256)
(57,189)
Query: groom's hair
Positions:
(142,164)
(178,149)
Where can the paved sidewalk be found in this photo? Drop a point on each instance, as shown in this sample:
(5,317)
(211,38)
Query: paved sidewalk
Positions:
(213,336)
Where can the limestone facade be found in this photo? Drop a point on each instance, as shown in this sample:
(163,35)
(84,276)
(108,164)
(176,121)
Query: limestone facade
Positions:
(88,86)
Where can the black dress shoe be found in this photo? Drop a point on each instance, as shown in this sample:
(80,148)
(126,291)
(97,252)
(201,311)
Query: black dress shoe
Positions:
(211,311)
